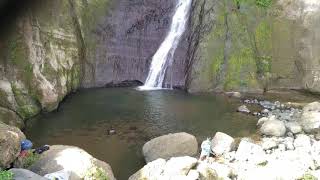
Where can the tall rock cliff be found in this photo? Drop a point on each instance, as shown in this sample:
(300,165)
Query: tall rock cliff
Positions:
(254,45)
(43,56)
(55,47)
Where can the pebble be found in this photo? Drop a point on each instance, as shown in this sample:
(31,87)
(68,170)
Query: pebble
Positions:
(111,132)
(243,109)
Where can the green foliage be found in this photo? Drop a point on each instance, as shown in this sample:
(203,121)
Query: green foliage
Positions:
(259,3)
(96,173)
(91,13)
(239,63)
(237,1)
(308,177)
(6,175)
(264,3)
(264,64)
(27,106)
(30,159)
(264,163)
(263,36)
(17,51)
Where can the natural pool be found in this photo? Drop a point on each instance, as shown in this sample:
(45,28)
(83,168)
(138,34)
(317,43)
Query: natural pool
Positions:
(84,119)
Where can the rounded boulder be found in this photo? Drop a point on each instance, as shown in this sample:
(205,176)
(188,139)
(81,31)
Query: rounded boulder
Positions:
(273,128)
(10,144)
(171,145)
(78,162)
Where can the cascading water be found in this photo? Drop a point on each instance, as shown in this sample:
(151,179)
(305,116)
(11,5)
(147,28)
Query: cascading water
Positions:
(164,54)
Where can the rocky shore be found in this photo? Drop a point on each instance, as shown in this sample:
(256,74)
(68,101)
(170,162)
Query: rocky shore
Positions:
(288,147)
(69,162)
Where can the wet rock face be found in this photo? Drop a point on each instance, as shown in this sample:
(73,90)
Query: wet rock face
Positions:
(39,62)
(285,35)
(66,44)
(129,36)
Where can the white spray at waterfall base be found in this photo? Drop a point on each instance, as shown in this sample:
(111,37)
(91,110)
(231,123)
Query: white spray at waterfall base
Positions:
(164,55)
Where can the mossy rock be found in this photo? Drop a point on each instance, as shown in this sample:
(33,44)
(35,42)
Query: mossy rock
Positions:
(11,118)
(27,106)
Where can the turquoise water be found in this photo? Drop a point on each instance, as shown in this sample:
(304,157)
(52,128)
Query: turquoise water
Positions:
(84,119)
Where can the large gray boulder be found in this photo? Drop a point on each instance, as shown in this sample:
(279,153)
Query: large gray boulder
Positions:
(171,145)
(310,118)
(273,128)
(221,143)
(78,162)
(24,174)
(10,144)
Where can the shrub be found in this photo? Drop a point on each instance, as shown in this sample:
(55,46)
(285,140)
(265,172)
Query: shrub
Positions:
(308,177)
(6,175)
(264,3)
(30,159)
(96,173)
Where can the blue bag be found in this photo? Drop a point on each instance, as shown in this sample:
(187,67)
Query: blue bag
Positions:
(26,145)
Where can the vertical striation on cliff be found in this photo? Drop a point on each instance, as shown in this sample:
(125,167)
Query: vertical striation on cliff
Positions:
(41,59)
(253,46)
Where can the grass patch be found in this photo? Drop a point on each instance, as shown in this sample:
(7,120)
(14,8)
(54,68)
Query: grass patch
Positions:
(30,159)
(6,175)
(264,163)
(264,3)
(308,177)
(96,173)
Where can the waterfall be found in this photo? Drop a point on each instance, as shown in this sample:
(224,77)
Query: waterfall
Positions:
(164,55)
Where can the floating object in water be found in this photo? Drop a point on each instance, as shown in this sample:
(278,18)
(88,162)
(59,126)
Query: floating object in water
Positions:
(26,145)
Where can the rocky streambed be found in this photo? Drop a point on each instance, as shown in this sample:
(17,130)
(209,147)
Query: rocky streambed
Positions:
(288,147)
